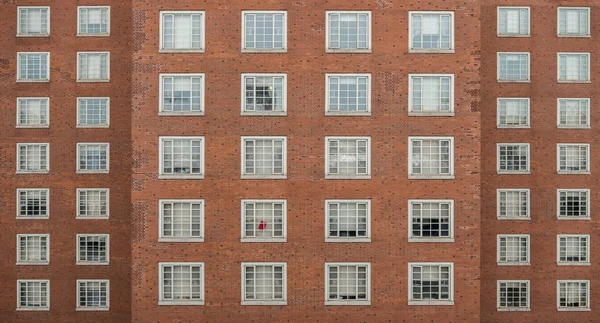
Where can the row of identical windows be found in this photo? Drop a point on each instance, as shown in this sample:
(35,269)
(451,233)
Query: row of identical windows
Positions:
(35,66)
(571,204)
(514,158)
(571,295)
(34,158)
(572,113)
(34,295)
(571,250)
(34,249)
(91,21)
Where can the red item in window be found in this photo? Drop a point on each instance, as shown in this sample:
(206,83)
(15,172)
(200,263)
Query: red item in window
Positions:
(262,225)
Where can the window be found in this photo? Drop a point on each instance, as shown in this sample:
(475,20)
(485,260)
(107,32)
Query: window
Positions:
(181,283)
(93,158)
(431,283)
(264,31)
(513,250)
(348,94)
(513,67)
(573,67)
(33,67)
(348,220)
(181,94)
(33,295)
(513,21)
(513,158)
(573,295)
(513,295)
(573,22)
(431,157)
(347,283)
(264,94)
(33,158)
(573,158)
(264,157)
(513,204)
(264,283)
(573,204)
(348,31)
(431,220)
(92,203)
(33,22)
(181,220)
(33,249)
(573,249)
(93,21)
(33,203)
(574,113)
(93,295)
(92,249)
(513,112)
(181,31)
(93,112)
(431,94)
(33,113)
(93,66)
(264,221)
(181,157)
(431,31)
(348,157)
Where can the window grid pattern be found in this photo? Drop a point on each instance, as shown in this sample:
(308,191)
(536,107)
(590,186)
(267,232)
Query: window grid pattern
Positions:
(431,31)
(93,21)
(93,203)
(514,249)
(573,204)
(513,158)
(264,31)
(93,294)
(573,113)
(33,112)
(93,249)
(93,157)
(182,93)
(263,219)
(430,157)
(430,219)
(263,283)
(33,203)
(33,249)
(348,157)
(573,158)
(513,67)
(431,93)
(263,156)
(430,282)
(33,66)
(33,157)
(182,219)
(182,31)
(93,112)
(513,21)
(182,157)
(348,31)
(93,66)
(347,220)
(182,282)
(573,249)
(514,204)
(573,22)
(573,67)
(33,21)
(573,294)
(348,93)
(513,112)
(347,282)
(514,294)
(33,294)
(264,93)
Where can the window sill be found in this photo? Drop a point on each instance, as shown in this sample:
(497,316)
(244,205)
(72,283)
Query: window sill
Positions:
(349,303)
(347,51)
(500,172)
(573,218)
(347,114)
(574,81)
(92,309)
(79,126)
(33,126)
(513,127)
(562,309)
(264,51)
(33,81)
(430,176)
(573,127)
(184,303)
(176,240)
(347,240)
(92,171)
(573,264)
(180,176)
(513,35)
(264,176)
(263,303)
(25,309)
(515,218)
(514,309)
(573,173)
(431,51)
(78,263)
(264,114)
(181,114)
(435,303)
(428,240)
(347,177)
(93,81)
(430,114)
(262,240)
(91,217)
(514,264)
(32,36)
(513,81)
(32,217)
(93,35)
(33,172)
(180,51)
(573,36)
(33,263)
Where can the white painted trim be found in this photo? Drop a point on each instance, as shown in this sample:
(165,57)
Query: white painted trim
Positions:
(573,263)
(107,125)
(430,302)
(18,22)
(504,263)
(18,289)
(177,176)
(161,77)
(589,107)
(18,203)
(202,49)
(101,171)
(18,114)
(513,309)
(243,236)
(261,176)
(161,238)
(107,79)
(431,50)
(161,301)
(335,176)
(526,190)
(588,35)
(92,263)
(347,50)
(264,50)
(347,113)
(79,217)
(79,34)
(45,171)
(589,205)
(91,308)
(499,80)
(263,302)
(366,302)
(262,113)
(589,68)
(18,249)
(589,166)
(18,71)
(574,309)
(348,239)
(499,126)
(509,172)
(429,113)
(513,35)
(421,176)
(411,238)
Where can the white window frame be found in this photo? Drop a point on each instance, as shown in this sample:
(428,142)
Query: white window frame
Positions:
(162,112)
(161,175)
(245,301)
(528,34)
(412,238)
(328,112)
(162,238)
(162,301)
(425,176)
(431,302)
(19,33)
(411,112)
(88,80)
(18,72)
(244,112)
(264,50)
(589,68)
(508,172)
(93,308)
(19,190)
(335,176)
(80,125)
(588,35)
(348,50)
(348,239)
(499,80)
(80,34)
(44,171)
(499,262)
(21,98)
(573,309)
(100,171)
(78,201)
(245,238)
(263,176)
(589,108)
(25,262)
(513,218)
(202,48)
(81,262)
(348,302)
(527,126)
(577,218)
(431,50)
(573,263)
(514,309)
(25,308)
(589,167)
